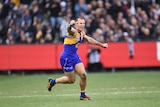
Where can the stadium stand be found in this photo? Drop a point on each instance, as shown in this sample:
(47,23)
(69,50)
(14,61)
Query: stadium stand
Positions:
(40,21)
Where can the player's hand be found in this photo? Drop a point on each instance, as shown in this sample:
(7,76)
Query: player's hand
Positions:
(72,22)
(105,45)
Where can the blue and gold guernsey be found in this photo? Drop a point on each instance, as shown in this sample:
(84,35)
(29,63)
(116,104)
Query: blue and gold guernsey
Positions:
(71,43)
(69,57)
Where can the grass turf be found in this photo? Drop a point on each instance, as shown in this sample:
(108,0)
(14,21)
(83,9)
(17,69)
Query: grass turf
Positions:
(123,89)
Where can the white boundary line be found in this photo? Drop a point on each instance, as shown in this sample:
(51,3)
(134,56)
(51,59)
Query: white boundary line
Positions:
(108,93)
(24,96)
(116,93)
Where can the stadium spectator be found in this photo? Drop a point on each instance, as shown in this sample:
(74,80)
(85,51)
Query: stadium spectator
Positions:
(98,35)
(94,63)
(63,31)
(38,31)
(79,7)
(158,32)
(92,24)
(48,33)
(26,17)
(55,13)
(22,38)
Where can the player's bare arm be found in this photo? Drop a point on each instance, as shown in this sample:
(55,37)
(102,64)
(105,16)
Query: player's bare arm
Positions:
(93,41)
(70,28)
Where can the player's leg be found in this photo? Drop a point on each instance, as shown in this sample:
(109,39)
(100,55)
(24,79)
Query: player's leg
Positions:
(68,68)
(69,78)
(80,70)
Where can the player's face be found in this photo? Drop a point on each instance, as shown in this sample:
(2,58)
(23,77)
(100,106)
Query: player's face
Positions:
(80,24)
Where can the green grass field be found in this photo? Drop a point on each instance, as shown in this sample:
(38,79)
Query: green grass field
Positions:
(120,89)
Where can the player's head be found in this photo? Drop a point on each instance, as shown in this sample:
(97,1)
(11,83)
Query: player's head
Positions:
(80,24)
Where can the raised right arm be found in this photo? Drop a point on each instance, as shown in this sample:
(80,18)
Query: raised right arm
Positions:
(70,28)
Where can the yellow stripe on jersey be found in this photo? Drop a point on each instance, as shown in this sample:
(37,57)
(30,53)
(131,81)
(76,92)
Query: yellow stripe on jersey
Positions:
(69,40)
(72,39)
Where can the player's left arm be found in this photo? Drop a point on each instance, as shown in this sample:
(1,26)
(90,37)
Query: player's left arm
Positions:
(93,41)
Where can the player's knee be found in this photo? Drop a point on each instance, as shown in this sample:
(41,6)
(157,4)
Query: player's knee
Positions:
(84,76)
(72,81)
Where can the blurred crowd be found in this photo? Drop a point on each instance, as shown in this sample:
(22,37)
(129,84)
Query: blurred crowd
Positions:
(45,21)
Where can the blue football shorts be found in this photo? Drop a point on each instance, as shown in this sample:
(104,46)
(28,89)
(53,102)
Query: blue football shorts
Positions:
(68,62)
